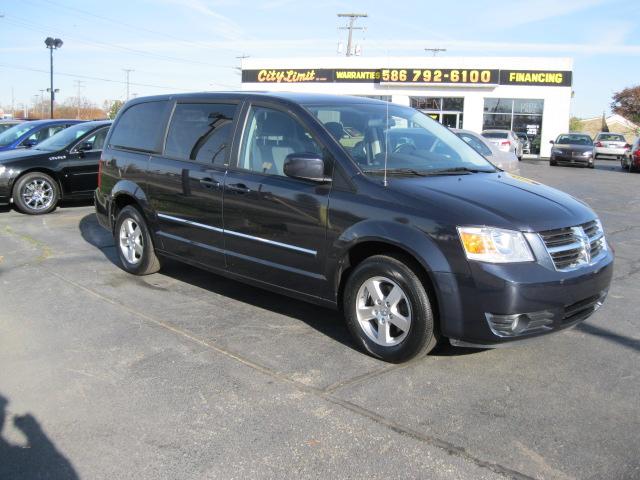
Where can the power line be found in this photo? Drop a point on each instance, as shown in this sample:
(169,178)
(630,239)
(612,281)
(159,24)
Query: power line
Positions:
(435,51)
(136,28)
(29,25)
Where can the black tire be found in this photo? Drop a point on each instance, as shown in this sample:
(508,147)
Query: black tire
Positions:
(553,163)
(519,158)
(142,260)
(591,165)
(44,198)
(421,336)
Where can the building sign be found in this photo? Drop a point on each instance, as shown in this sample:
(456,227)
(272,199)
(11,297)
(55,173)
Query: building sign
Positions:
(413,76)
(535,77)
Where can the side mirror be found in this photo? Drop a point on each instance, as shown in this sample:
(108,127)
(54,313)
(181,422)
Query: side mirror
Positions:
(551,142)
(84,146)
(307,166)
(28,143)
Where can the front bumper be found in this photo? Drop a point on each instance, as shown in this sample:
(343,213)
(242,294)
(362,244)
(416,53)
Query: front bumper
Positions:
(562,299)
(5,190)
(571,159)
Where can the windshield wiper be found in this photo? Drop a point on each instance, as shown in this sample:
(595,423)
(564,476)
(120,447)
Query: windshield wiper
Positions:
(397,171)
(455,171)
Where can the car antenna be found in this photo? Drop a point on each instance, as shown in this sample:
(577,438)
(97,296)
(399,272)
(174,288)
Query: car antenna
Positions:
(386,139)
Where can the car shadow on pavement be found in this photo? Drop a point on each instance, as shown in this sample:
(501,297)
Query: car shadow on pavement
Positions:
(325,320)
(625,341)
(38,458)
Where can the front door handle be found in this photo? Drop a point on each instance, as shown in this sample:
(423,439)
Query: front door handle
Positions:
(209,182)
(238,188)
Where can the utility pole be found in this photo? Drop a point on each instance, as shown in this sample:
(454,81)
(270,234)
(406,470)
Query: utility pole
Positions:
(13,103)
(435,51)
(127,71)
(352,20)
(79,85)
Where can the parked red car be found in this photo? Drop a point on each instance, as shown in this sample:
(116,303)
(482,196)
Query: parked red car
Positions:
(631,159)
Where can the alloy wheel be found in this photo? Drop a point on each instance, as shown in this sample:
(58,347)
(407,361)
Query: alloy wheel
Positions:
(131,241)
(38,194)
(383,311)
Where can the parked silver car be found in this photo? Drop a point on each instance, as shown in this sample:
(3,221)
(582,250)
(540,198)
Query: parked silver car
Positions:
(507,161)
(610,144)
(505,140)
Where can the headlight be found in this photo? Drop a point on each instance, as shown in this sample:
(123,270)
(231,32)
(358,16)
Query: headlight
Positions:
(494,245)
(2,169)
(588,153)
(556,150)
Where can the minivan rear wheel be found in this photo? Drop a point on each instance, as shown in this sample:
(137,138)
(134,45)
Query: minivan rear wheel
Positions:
(133,243)
(388,311)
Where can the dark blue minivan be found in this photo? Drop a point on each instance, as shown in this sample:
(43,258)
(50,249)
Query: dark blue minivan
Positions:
(29,134)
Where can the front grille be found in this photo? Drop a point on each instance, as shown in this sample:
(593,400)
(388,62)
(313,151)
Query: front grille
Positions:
(572,247)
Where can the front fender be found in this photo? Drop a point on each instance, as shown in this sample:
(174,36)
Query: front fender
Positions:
(443,276)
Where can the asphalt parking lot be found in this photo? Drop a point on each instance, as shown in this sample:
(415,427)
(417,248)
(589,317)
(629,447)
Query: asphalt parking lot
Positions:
(184,374)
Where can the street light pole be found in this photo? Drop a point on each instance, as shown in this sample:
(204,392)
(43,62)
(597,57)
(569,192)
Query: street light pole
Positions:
(52,44)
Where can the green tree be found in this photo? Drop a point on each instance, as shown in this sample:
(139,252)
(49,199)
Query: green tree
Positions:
(115,107)
(627,103)
(575,124)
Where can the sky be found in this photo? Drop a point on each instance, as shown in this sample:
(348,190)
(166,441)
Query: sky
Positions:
(194,45)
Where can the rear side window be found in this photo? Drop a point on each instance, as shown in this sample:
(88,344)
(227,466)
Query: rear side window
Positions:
(200,132)
(140,127)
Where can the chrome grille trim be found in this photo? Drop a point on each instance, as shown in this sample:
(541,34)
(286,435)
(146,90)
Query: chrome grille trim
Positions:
(571,248)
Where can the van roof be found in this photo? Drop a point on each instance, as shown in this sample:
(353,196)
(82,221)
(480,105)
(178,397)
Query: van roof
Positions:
(294,97)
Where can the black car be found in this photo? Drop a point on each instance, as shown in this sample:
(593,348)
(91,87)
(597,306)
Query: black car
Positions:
(355,204)
(572,149)
(64,166)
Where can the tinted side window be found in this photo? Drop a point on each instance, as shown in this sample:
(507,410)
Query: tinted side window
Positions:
(140,127)
(200,132)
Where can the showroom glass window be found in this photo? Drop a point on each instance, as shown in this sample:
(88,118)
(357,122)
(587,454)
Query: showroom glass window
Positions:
(446,110)
(517,114)
(200,132)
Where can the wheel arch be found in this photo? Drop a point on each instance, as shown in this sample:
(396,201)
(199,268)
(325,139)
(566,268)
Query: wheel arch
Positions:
(384,238)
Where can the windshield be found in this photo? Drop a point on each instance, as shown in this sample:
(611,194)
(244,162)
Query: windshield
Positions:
(409,140)
(64,138)
(495,134)
(14,133)
(6,126)
(612,137)
(574,140)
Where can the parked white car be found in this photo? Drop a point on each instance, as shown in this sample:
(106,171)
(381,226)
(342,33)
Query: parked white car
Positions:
(505,140)
(611,145)
(507,161)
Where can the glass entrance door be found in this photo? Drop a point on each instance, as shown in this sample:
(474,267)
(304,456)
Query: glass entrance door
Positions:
(451,120)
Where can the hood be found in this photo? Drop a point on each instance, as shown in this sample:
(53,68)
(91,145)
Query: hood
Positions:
(494,199)
(572,148)
(21,154)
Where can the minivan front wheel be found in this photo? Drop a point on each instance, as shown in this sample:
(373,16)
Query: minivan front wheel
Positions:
(388,310)
(133,243)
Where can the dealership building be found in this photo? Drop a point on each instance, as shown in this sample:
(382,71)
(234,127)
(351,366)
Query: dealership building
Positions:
(523,94)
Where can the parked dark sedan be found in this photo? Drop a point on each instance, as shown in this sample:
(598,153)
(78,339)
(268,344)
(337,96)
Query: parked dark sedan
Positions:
(572,149)
(63,166)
